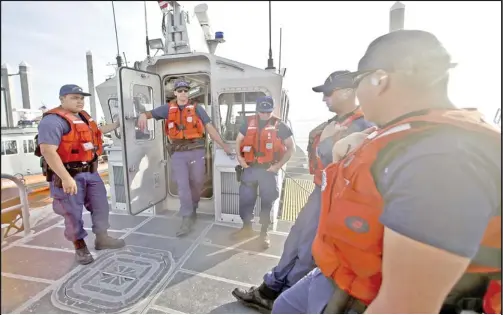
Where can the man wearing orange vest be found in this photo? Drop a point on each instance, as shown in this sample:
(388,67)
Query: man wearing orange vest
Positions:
(296,260)
(264,144)
(411,218)
(185,126)
(70,142)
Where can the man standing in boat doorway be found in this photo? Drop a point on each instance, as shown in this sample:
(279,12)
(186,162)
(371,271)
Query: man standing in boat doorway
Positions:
(264,144)
(70,141)
(416,228)
(185,126)
(296,260)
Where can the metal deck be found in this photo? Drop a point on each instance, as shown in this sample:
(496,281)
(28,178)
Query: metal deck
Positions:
(155,273)
(297,187)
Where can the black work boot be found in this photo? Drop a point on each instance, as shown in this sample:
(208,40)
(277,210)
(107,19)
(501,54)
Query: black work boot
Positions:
(186,226)
(103,241)
(82,254)
(245,232)
(259,298)
(265,241)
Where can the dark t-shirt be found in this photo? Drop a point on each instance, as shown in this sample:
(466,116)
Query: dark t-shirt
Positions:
(442,191)
(284,132)
(51,128)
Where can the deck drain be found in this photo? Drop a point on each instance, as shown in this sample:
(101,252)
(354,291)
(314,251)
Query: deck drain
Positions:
(115,282)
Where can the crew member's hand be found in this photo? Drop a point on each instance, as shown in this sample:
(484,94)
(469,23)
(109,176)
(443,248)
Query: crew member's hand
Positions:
(273,168)
(142,122)
(242,161)
(347,144)
(116,120)
(332,130)
(69,186)
(227,149)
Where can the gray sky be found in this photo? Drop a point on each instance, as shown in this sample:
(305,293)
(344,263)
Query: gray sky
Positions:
(318,38)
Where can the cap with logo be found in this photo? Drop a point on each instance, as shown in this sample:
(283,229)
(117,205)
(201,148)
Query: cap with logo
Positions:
(409,51)
(265,104)
(181,84)
(72,89)
(336,80)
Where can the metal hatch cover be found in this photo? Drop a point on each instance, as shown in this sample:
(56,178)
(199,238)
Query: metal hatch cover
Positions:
(115,282)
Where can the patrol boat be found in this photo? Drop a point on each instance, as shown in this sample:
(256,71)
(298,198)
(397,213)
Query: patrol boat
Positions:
(157,272)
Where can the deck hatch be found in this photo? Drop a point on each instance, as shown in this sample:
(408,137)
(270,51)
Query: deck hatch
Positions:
(115,282)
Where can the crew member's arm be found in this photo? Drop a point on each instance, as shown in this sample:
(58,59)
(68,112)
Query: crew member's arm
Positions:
(157,113)
(241,135)
(437,207)
(286,134)
(110,127)
(212,131)
(50,131)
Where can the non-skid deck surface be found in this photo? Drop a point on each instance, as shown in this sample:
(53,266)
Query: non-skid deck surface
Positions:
(297,187)
(155,273)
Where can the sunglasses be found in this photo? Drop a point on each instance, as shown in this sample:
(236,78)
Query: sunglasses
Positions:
(359,78)
(182,91)
(328,94)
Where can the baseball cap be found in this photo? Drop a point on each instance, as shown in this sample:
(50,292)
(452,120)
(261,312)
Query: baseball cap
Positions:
(265,104)
(335,80)
(72,89)
(411,51)
(181,84)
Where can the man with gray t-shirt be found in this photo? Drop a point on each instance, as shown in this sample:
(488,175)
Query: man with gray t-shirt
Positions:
(70,141)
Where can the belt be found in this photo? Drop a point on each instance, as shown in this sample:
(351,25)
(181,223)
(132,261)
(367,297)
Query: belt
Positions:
(80,168)
(186,146)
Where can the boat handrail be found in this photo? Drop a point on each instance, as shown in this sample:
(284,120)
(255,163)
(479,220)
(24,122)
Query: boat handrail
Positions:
(23,196)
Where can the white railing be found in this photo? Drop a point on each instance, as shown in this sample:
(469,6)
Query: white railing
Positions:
(23,197)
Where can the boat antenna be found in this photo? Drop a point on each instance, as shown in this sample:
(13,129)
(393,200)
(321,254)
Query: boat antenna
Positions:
(118,58)
(280,38)
(270,61)
(146,29)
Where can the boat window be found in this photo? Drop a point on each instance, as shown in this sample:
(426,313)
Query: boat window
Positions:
(9,147)
(233,108)
(143,97)
(113,102)
(28,146)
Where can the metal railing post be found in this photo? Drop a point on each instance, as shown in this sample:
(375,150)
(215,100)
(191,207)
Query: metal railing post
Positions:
(23,197)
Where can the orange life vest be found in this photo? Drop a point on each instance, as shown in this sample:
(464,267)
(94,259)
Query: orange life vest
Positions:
(351,202)
(73,145)
(492,298)
(315,164)
(264,147)
(183,124)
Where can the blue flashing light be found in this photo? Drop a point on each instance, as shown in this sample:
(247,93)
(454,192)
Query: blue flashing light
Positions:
(219,35)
